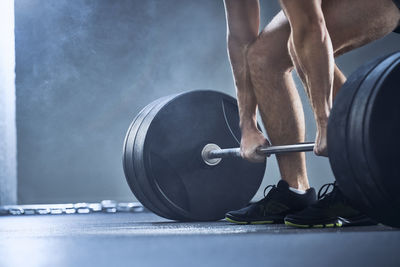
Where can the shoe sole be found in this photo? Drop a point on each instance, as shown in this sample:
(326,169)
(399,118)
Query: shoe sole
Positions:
(251,222)
(357,221)
(340,222)
(324,225)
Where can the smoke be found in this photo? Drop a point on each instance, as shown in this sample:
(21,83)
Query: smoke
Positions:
(84,68)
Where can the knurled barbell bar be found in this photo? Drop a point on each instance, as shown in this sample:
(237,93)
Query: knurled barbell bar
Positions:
(212,154)
(175,165)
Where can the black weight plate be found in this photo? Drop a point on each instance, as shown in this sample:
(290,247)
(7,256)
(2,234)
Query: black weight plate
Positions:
(127,157)
(358,144)
(138,190)
(381,140)
(363,175)
(337,137)
(146,186)
(171,139)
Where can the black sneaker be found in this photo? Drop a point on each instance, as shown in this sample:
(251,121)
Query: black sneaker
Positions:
(273,208)
(331,210)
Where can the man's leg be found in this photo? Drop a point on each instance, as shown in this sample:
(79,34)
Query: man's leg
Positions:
(357,22)
(243,24)
(278,100)
(281,112)
(279,103)
(270,65)
(338,77)
(351,24)
(338,80)
(312,47)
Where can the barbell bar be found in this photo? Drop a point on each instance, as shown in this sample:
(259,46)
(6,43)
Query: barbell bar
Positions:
(218,153)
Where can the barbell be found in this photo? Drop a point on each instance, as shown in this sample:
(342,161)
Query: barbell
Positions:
(182,161)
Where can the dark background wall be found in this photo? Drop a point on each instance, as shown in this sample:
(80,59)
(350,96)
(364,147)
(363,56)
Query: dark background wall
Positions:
(84,68)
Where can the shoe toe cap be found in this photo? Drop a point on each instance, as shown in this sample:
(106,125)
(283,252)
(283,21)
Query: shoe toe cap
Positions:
(237,213)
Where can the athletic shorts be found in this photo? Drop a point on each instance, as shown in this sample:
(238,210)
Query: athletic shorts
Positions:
(397,3)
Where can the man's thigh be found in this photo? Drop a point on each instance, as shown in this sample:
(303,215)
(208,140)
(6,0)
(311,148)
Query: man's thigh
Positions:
(397,3)
(350,23)
(353,23)
(243,18)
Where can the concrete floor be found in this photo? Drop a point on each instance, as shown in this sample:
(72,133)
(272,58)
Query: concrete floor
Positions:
(143,239)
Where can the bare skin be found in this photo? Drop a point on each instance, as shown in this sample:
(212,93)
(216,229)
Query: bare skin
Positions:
(311,49)
(263,77)
(339,79)
(242,30)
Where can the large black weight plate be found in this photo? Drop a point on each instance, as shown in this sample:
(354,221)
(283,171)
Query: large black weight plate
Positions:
(127,157)
(146,186)
(382,146)
(337,138)
(140,190)
(167,151)
(363,139)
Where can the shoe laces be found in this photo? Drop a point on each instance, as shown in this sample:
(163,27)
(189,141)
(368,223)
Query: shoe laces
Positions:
(325,196)
(272,186)
(268,195)
(323,191)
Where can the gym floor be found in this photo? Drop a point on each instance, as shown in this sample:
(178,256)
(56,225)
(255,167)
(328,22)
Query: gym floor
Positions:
(144,239)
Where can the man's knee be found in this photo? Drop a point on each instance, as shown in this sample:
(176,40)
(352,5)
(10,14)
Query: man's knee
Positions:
(309,29)
(306,20)
(242,39)
(268,57)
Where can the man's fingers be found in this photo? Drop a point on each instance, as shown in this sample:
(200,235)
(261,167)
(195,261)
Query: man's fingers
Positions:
(267,142)
(249,150)
(258,158)
(252,156)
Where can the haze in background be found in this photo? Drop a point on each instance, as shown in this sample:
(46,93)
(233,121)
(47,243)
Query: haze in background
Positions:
(86,67)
